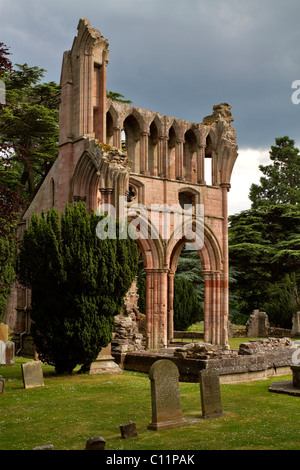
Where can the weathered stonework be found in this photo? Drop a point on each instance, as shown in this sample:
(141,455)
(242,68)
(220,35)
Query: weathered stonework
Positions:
(164,163)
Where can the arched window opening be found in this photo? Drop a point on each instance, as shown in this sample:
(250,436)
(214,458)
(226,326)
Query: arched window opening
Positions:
(153,150)
(190,157)
(109,129)
(171,152)
(188,302)
(132,139)
(208,161)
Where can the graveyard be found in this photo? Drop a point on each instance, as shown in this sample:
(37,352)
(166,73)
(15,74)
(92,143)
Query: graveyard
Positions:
(217,390)
(155,410)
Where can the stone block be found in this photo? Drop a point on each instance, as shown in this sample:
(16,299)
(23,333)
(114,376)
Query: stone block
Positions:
(95,443)
(128,430)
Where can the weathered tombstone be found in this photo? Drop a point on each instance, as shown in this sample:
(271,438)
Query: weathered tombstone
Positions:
(296,325)
(95,443)
(210,394)
(257,325)
(128,430)
(32,374)
(165,396)
(9,353)
(2,384)
(2,353)
(3,332)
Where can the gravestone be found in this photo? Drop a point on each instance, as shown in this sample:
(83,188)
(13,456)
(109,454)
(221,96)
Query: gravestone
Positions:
(32,374)
(10,353)
(2,384)
(7,353)
(3,332)
(257,325)
(95,443)
(128,430)
(2,353)
(296,325)
(210,394)
(165,396)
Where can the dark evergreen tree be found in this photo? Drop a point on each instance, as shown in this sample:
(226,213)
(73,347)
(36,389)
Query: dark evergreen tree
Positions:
(187,308)
(78,284)
(264,241)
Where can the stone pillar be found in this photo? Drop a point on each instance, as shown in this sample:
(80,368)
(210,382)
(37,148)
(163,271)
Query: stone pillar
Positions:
(207,305)
(171,275)
(163,156)
(214,167)
(225,277)
(200,164)
(117,138)
(179,160)
(144,169)
(156,308)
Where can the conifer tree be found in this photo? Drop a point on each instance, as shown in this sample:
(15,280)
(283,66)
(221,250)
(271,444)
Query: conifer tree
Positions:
(78,284)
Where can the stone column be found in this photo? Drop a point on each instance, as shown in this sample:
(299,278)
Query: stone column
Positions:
(117,138)
(179,160)
(225,278)
(156,308)
(171,275)
(144,169)
(208,295)
(200,164)
(163,156)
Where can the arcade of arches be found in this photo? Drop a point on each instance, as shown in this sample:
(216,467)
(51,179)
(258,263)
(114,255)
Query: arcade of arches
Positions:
(164,164)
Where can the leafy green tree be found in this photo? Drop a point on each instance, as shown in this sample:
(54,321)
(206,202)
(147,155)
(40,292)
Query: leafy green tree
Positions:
(78,284)
(29,129)
(187,308)
(117,97)
(281,181)
(264,241)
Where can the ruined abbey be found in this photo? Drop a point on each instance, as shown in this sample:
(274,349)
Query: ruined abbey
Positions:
(109,149)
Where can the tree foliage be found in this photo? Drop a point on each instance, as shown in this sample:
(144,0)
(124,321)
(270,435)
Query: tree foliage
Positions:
(187,308)
(264,241)
(78,283)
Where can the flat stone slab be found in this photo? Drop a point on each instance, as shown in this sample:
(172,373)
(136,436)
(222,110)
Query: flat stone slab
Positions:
(286,387)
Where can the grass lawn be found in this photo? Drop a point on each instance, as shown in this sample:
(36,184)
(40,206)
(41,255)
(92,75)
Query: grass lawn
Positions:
(70,409)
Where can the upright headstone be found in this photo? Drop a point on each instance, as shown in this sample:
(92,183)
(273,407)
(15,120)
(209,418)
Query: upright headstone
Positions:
(296,325)
(257,325)
(210,394)
(32,374)
(165,396)
(9,353)
(2,353)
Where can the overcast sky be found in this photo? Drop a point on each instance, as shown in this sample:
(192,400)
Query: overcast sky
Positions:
(180,58)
